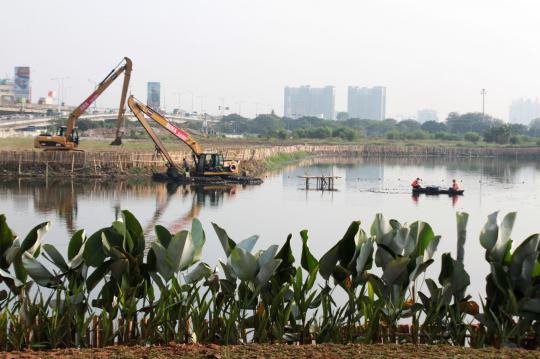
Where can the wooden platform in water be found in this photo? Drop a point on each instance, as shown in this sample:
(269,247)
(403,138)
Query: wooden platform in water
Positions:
(323,183)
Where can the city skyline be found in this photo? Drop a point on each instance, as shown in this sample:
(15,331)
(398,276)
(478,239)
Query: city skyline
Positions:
(341,44)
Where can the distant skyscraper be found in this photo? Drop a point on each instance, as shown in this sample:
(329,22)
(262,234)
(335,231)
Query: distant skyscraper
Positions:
(366,103)
(309,101)
(524,110)
(154,95)
(426,115)
(22,84)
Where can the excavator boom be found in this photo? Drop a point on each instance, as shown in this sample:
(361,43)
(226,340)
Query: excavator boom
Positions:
(70,137)
(206,164)
(163,122)
(139,110)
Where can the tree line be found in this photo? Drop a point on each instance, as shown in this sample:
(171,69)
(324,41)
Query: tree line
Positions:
(472,127)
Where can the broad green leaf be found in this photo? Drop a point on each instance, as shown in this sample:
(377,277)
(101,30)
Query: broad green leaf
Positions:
(198,237)
(501,245)
(431,248)
(38,272)
(307,261)
(201,270)
(175,250)
(163,235)
(163,265)
(365,257)
(227,243)
(9,276)
(461,219)
(32,242)
(267,270)
(119,268)
(490,232)
(536,270)
(380,228)
(286,269)
(523,261)
(6,235)
(423,235)
(93,249)
(328,262)
(347,245)
(343,251)
(420,268)
(76,243)
(248,243)
(266,256)
(395,270)
(243,263)
(56,257)
(98,275)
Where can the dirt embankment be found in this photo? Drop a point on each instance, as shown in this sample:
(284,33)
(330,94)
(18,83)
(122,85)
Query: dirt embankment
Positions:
(197,351)
(254,159)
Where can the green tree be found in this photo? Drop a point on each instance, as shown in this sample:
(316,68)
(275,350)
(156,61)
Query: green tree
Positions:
(500,134)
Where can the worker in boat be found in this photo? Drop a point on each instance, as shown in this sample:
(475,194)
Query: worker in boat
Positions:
(416,183)
(455,185)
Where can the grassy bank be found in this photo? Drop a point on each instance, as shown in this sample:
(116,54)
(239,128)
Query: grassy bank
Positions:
(88,144)
(283,351)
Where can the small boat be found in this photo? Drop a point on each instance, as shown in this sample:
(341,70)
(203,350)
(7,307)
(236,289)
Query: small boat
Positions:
(437,190)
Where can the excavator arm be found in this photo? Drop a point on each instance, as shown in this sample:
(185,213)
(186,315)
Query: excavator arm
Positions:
(139,110)
(126,67)
(206,164)
(166,124)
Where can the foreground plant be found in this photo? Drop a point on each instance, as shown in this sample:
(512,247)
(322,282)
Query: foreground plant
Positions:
(115,287)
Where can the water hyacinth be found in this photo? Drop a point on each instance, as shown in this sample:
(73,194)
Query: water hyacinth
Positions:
(111,287)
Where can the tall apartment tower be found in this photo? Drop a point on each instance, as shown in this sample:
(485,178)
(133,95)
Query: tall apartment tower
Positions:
(366,103)
(426,115)
(153,95)
(309,101)
(524,110)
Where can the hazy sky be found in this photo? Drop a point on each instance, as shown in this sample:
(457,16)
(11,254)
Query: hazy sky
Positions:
(428,53)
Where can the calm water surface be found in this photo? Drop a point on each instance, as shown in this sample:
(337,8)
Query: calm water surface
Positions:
(281,205)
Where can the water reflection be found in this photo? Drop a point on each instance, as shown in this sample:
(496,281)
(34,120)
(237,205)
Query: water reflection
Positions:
(61,197)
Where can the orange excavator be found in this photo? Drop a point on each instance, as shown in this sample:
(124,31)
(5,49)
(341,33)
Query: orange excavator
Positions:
(206,164)
(66,138)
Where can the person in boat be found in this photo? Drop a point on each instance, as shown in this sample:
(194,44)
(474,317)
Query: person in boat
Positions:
(416,183)
(455,186)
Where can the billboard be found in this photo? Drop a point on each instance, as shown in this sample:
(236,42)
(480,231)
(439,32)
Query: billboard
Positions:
(154,95)
(22,84)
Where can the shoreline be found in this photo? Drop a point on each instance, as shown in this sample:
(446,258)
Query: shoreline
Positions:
(256,160)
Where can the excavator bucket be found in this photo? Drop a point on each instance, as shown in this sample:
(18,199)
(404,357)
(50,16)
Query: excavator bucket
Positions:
(117,141)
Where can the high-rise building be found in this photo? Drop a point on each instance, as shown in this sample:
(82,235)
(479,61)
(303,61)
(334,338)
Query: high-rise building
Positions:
(524,110)
(426,115)
(153,95)
(366,103)
(21,86)
(7,96)
(309,101)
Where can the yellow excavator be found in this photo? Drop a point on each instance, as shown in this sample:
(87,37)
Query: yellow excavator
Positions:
(66,138)
(206,164)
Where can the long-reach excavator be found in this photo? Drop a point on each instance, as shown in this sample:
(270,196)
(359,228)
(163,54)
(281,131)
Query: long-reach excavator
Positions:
(206,164)
(67,137)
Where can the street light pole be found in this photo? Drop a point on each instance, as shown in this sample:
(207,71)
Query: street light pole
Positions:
(483,92)
(60,80)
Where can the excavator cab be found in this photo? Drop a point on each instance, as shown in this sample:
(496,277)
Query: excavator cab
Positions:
(61,131)
(213,164)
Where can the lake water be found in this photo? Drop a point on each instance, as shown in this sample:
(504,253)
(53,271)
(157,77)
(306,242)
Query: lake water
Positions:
(281,205)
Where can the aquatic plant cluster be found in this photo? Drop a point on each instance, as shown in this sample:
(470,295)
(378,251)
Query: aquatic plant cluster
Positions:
(111,288)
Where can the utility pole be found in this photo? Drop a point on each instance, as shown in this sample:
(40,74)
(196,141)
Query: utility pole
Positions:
(483,92)
(239,108)
(60,80)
